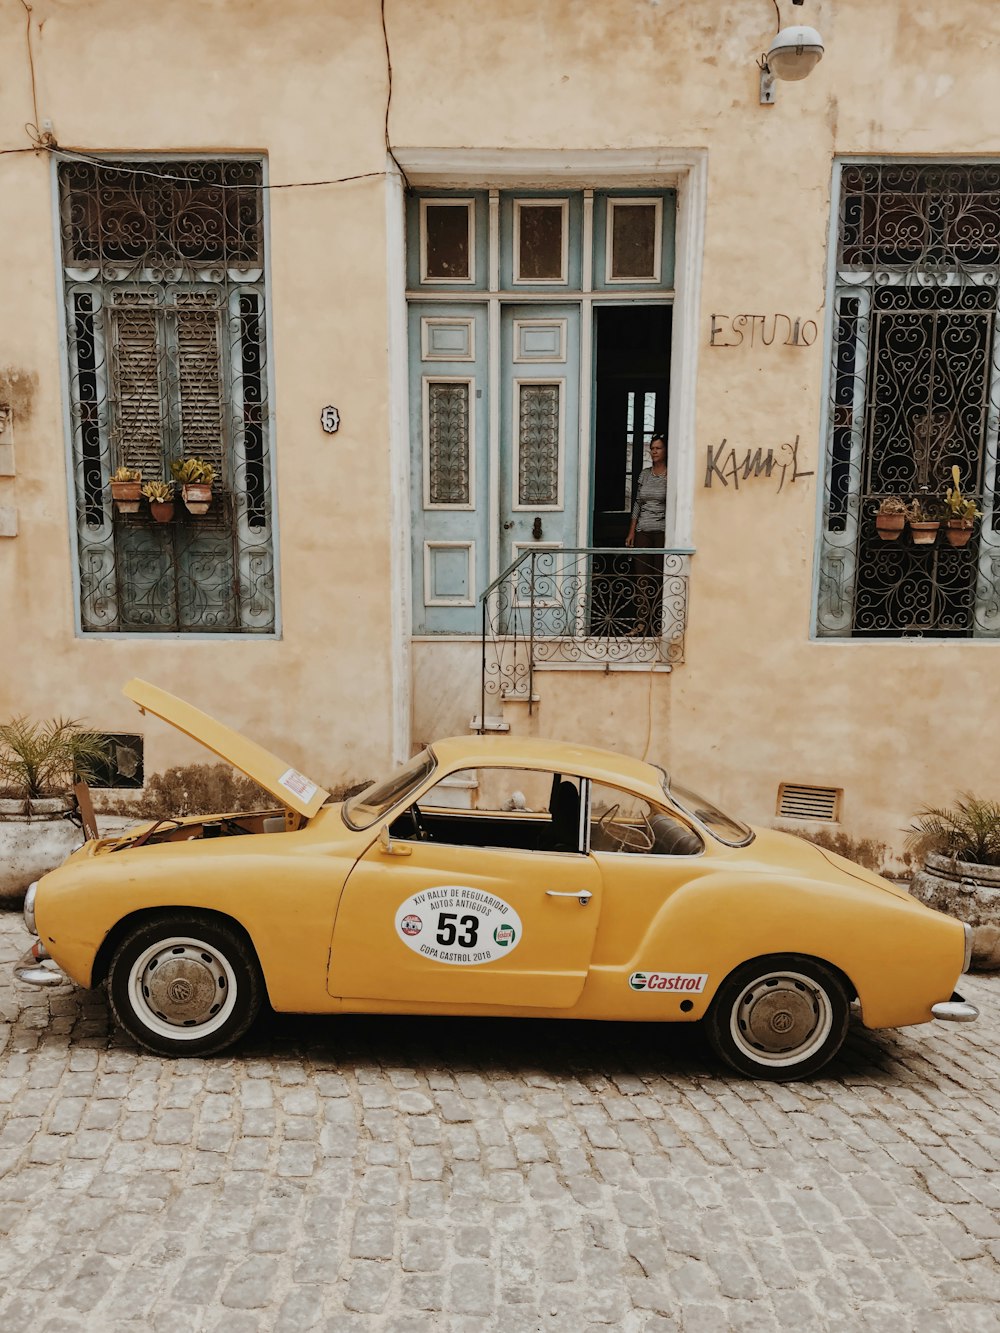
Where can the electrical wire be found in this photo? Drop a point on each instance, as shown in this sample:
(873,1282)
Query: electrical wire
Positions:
(31,62)
(111,164)
(43,140)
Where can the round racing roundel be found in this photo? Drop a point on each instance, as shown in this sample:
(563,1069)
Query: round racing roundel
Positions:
(458,925)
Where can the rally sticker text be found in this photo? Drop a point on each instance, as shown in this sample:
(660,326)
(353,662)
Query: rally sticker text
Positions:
(456,924)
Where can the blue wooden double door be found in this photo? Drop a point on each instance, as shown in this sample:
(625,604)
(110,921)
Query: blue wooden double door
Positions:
(498,463)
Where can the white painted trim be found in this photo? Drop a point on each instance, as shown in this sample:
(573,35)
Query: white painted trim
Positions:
(609,225)
(585,441)
(425,442)
(515,413)
(523,297)
(400,600)
(539,168)
(692,195)
(437,545)
(519,324)
(428,321)
(587,241)
(563,205)
(470,205)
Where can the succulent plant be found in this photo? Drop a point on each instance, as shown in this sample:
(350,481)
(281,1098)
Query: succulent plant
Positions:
(127,474)
(159,492)
(190,471)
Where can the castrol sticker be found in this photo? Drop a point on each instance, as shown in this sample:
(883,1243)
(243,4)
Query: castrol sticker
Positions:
(689,982)
(458,925)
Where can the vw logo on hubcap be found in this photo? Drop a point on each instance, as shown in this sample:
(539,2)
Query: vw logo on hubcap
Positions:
(180,990)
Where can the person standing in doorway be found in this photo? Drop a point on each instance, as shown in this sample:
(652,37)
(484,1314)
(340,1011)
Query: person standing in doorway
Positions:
(648,529)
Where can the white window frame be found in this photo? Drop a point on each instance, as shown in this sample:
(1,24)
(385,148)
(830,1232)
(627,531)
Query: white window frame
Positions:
(515,504)
(437,545)
(470,206)
(425,383)
(563,279)
(609,227)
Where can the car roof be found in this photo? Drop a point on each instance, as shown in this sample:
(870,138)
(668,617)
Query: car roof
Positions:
(585,761)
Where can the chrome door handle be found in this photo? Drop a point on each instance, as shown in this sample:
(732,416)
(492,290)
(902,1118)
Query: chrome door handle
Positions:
(583,897)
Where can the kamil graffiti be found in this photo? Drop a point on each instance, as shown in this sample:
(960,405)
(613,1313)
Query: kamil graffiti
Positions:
(728,467)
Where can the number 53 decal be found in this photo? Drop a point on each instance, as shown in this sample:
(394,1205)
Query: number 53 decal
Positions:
(456,924)
(447,933)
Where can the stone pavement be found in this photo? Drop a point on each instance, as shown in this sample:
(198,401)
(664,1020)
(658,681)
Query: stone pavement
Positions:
(462,1175)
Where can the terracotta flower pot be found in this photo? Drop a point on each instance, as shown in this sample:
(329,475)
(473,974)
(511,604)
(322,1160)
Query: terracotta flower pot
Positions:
(197,496)
(162,510)
(924,533)
(890,526)
(126,495)
(958,531)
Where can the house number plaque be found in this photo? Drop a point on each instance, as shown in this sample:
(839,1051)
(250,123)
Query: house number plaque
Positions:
(329,419)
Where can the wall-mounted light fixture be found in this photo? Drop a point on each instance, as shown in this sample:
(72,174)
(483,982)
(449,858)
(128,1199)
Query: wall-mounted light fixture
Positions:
(793,53)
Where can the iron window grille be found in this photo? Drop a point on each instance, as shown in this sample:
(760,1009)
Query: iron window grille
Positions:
(914,392)
(163,270)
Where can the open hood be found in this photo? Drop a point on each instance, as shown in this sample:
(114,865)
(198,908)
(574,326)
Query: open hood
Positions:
(286,785)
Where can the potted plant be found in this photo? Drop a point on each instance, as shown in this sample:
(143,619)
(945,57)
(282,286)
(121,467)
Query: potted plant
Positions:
(160,495)
(924,515)
(960,850)
(126,487)
(195,477)
(961,512)
(891,518)
(39,762)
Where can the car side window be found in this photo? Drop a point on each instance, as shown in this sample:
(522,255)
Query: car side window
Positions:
(527,809)
(620,821)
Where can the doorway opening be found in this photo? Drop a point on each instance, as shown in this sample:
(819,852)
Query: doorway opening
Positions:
(632,383)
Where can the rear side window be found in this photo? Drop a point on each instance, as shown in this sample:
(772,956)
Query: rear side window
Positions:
(620,821)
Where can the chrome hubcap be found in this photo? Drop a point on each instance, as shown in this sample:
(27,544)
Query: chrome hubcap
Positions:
(181,987)
(782,1018)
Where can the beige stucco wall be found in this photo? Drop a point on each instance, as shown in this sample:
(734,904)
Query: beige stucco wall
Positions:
(756,702)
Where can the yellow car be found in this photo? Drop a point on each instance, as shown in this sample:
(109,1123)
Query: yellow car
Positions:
(489,875)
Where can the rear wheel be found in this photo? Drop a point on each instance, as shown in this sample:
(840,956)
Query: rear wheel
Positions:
(185,985)
(780,1018)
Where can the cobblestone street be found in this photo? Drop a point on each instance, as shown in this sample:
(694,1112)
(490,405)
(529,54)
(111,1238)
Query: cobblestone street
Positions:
(408,1174)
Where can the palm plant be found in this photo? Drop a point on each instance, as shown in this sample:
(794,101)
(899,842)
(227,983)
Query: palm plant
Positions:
(968,831)
(39,759)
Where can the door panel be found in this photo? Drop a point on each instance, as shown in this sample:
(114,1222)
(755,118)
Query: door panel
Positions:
(380,929)
(540,427)
(448,421)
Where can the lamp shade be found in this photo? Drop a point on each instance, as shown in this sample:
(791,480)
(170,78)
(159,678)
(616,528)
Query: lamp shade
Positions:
(794,52)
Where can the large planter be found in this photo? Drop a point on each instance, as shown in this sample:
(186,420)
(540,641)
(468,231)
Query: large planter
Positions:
(126,495)
(958,531)
(970,892)
(924,533)
(31,845)
(197,496)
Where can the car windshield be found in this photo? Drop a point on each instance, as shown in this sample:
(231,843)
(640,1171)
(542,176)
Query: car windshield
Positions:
(728,830)
(361,811)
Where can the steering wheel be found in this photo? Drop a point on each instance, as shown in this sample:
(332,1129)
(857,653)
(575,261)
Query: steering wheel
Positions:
(629,837)
(419,828)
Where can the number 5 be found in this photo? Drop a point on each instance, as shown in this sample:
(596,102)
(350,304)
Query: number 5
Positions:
(446,931)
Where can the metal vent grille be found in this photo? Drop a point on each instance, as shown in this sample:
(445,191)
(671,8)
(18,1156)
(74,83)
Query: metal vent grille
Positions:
(798,801)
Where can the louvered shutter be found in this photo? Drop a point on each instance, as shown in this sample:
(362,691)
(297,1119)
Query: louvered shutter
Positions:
(136,393)
(199,374)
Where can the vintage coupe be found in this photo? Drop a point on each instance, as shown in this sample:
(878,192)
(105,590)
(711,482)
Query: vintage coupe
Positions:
(489,875)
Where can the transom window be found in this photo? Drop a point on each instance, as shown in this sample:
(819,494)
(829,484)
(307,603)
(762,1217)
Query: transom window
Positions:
(163,273)
(914,398)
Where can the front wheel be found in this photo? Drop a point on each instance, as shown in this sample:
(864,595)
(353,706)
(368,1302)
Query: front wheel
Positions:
(185,985)
(779,1018)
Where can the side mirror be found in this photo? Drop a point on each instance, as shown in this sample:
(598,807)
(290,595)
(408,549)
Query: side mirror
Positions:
(389,847)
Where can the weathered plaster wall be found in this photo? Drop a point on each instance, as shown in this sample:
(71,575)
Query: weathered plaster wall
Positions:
(756,702)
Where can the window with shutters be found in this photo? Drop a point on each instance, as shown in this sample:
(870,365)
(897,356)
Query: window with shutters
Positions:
(914,402)
(163,268)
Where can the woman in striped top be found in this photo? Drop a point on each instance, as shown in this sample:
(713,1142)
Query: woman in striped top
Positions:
(648,529)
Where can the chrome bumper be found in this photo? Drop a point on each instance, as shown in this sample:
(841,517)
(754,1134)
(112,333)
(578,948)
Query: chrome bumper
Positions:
(38,969)
(955,1010)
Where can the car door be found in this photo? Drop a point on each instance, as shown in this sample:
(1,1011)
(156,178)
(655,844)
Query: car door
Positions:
(445,922)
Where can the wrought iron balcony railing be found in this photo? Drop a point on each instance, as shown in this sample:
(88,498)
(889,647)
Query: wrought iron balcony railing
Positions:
(576,606)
